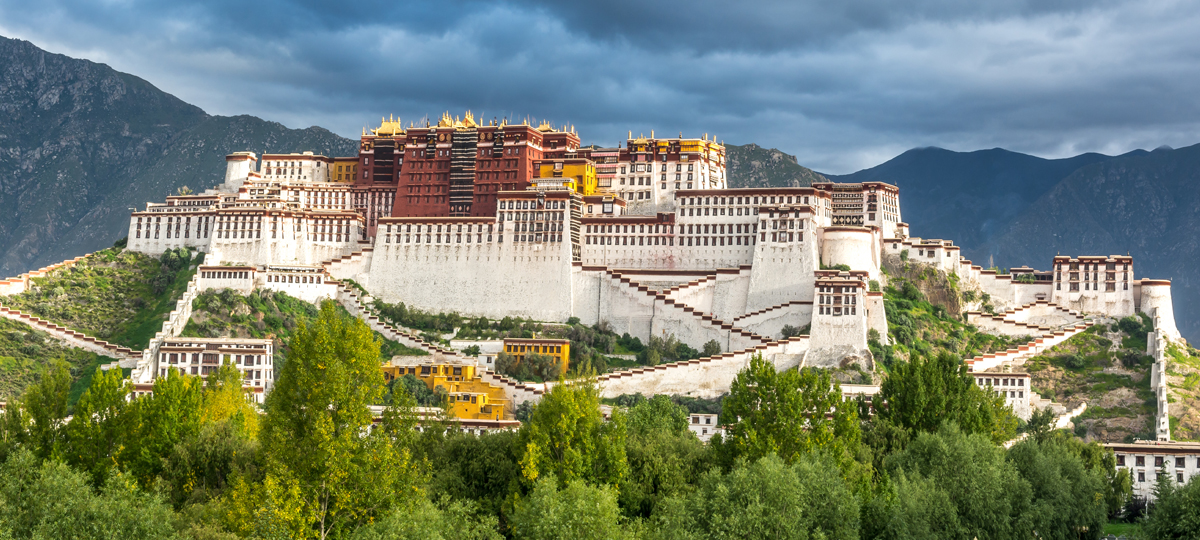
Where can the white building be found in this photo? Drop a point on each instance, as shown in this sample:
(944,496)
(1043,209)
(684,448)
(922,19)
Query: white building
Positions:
(200,356)
(1145,460)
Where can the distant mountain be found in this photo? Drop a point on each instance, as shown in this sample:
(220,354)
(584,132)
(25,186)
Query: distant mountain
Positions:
(1146,204)
(751,165)
(1015,209)
(967,196)
(81,143)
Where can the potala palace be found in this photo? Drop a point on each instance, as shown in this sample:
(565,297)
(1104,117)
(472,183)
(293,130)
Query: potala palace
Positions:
(498,220)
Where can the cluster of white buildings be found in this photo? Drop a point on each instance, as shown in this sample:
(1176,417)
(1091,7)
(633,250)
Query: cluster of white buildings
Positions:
(659,249)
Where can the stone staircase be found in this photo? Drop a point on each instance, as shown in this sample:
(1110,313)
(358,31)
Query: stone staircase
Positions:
(350,298)
(1017,356)
(703,377)
(72,338)
(710,325)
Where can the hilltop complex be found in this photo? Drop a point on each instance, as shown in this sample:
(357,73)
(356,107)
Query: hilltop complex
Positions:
(514,220)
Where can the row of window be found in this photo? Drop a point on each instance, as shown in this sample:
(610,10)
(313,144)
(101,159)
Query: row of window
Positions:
(535,349)
(1088,286)
(408,227)
(1159,461)
(837,311)
(288,278)
(225,275)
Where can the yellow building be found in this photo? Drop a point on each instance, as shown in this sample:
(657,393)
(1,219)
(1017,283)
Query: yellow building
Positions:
(579,174)
(343,169)
(470,397)
(558,348)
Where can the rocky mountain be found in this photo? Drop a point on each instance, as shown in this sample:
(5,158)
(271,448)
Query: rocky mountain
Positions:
(1015,209)
(1146,204)
(751,165)
(968,196)
(81,143)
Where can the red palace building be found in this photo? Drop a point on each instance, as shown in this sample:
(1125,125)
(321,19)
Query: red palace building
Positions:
(455,168)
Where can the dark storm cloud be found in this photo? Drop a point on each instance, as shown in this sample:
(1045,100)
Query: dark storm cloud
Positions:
(841,84)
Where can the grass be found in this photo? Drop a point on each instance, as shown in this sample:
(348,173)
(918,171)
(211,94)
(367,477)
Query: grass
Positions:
(115,295)
(264,314)
(1130,530)
(25,353)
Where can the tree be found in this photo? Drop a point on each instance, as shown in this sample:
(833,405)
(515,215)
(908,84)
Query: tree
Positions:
(712,348)
(578,511)
(926,392)
(910,508)
(1068,499)
(764,499)
(1176,509)
(167,417)
(447,520)
(97,430)
(45,407)
(48,500)
(989,497)
(484,469)
(664,456)
(787,413)
(567,437)
(315,435)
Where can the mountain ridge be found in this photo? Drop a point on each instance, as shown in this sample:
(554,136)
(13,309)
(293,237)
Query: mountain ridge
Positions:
(83,142)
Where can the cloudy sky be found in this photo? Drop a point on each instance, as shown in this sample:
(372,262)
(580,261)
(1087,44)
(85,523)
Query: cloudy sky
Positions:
(843,85)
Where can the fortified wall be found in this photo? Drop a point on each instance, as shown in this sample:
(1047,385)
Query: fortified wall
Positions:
(734,266)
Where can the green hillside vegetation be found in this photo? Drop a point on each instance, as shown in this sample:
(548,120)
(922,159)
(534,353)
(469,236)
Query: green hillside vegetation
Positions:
(792,463)
(263,314)
(25,353)
(594,349)
(918,328)
(114,294)
(1183,379)
(1106,367)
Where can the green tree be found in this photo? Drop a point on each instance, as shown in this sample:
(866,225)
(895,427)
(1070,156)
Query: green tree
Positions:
(664,456)
(447,520)
(577,511)
(910,509)
(989,497)
(98,428)
(1176,510)
(926,392)
(1068,499)
(764,499)
(787,413)
(484,469)
(315,434)
(567,437)
(167,417)
(48,500)
(712,348)
(45,406)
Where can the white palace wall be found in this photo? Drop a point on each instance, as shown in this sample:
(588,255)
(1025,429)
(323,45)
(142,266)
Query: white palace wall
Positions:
(855,247)
(1156,301)
(782,273)
(770,322)
(489,279)
(729,298)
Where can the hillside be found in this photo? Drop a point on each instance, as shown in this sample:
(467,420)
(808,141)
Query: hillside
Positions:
(1144,204)
(81,143)
(262,314)
(751,165)
(115,295)
(25,353)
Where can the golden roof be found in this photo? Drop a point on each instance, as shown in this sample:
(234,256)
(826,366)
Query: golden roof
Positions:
(545,126)
(388,126)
